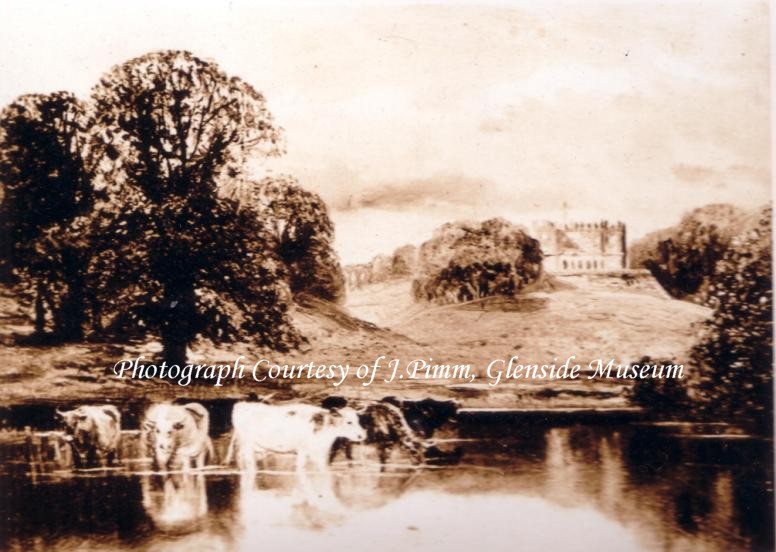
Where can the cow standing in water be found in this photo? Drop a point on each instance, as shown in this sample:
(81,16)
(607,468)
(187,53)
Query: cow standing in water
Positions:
(409,425)
(94,433)
(178,435)
(309,431)
(386,428)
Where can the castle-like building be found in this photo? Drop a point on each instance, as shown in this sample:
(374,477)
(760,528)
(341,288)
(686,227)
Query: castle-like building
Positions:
(582,247)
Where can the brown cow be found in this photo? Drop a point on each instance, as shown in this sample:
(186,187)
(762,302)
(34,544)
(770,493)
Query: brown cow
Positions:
(94,433)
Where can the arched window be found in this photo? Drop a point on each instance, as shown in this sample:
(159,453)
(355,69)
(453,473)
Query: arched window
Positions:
(565,265)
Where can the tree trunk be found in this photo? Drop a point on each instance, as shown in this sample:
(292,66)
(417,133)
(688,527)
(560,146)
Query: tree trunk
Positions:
(179,315)
(70,326)
(69,316)
(174,352)
(40,311)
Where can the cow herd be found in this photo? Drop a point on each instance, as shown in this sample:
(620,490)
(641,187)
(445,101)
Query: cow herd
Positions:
(176,437)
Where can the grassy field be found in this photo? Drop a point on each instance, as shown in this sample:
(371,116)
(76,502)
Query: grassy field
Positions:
(588,320)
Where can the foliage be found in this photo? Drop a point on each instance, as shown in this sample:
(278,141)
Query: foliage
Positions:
(736,352)
(404,261)
(663,396)
(683,258)
(46,173)
(173,257)
(464,261)
(302,232)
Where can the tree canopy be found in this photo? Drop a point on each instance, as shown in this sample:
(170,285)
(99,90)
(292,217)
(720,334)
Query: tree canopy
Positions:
(464,261)
(176,257)
(736,352)
(302,231)
(45,168)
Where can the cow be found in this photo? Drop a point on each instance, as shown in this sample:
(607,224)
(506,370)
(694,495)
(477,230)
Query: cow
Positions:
(386,428)
(177,436)
(309,431)
(410,423)
(427,415)
(94,434)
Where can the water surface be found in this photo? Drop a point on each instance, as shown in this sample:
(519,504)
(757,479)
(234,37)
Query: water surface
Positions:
(584,487)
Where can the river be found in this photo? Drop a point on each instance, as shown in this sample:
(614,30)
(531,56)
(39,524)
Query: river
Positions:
(538,487)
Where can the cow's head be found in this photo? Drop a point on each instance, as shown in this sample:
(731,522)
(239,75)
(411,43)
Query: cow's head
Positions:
(427,415)
(168,428)
(79,425)
(346,423)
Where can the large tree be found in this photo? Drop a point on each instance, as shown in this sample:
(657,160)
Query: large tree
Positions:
(735,355)
(178,259)
(46,176)
(302,231)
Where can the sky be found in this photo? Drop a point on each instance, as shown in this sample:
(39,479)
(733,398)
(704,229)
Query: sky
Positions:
(407,116)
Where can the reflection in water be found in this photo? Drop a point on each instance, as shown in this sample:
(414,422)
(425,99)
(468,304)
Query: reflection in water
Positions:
(174,501)
(282,519)
(571,488)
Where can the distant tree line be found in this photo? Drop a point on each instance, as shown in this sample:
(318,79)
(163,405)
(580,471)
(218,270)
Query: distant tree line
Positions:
(402,263)
(119,216)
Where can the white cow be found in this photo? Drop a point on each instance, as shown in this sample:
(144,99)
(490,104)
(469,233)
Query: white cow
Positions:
(309,431)
(178,435)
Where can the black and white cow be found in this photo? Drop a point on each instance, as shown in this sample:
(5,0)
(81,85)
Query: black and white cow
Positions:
(386,429)
(407,425)
(309,431)
(425,416)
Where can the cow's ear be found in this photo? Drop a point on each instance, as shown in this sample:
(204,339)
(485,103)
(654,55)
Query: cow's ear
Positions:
(391,400)
(199,413)
(331,403)
(148,425)
(112,411)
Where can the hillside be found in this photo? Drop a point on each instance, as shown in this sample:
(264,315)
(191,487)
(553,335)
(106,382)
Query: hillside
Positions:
(582,318)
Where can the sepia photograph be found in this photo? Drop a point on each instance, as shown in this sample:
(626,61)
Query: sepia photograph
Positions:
(394,275)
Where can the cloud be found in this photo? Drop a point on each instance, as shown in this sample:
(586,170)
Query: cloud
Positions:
(732,174)
(434,191)
(692,173)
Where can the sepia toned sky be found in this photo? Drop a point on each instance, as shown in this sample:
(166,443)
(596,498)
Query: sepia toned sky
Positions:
(404,117)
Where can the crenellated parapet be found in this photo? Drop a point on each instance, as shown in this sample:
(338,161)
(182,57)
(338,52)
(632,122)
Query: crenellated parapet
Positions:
(582,246)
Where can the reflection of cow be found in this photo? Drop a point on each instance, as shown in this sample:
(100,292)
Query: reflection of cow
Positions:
(94,433)
(174,501)
(177,435)
(308,431)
